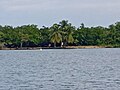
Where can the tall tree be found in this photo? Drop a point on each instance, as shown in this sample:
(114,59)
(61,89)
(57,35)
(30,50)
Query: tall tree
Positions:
(68,29)
(56,36)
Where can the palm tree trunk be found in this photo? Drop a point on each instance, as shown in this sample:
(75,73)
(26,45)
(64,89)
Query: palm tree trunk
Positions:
(21,45)
(54,44)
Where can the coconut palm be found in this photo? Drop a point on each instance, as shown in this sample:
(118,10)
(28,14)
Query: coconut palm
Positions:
(63,23)
(56,36)
(68,36)
(67,28)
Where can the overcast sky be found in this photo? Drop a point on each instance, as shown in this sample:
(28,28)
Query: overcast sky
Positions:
(47,12)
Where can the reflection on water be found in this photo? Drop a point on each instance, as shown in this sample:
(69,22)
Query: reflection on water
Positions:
(59,69)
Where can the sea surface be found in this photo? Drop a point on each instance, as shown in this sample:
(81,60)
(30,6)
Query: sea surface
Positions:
(60,69)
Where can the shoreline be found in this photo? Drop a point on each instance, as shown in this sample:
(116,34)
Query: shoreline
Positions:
(85,47)
(67,47)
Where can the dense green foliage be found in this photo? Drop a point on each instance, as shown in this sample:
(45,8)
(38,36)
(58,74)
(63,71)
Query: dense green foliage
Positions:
(61,34)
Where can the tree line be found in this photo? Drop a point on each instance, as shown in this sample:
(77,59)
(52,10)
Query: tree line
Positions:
(59,35)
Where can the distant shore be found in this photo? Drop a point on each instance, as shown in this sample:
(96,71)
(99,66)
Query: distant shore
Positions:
(66,47)
(87,47)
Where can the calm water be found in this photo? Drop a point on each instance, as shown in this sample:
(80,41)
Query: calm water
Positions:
(69,69)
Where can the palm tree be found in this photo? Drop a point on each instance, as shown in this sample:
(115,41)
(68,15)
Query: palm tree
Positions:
(56,36)
(67,28)
(63,23)
(68,36)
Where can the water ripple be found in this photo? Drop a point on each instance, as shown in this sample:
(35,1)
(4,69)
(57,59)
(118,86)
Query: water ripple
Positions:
(72,69)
